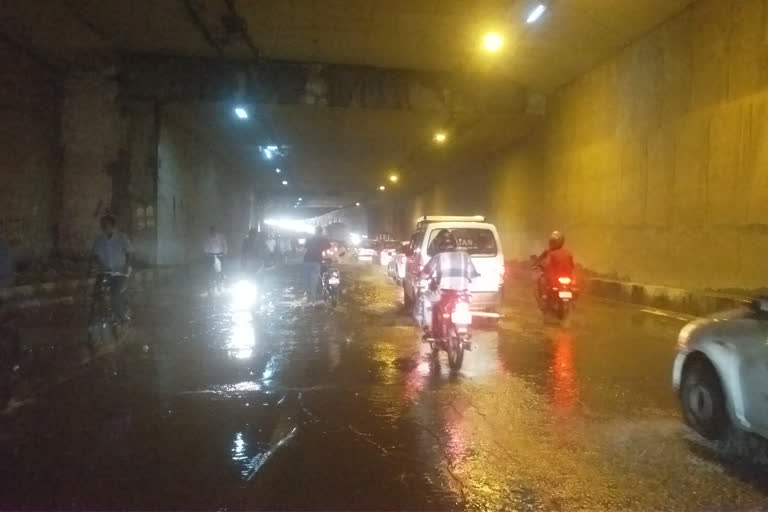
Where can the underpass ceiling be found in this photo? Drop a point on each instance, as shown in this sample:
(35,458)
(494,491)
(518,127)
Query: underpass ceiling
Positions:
(342,155)
(412,34)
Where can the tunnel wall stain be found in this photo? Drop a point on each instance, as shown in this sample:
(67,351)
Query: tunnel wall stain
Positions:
(29,106)
(655,163)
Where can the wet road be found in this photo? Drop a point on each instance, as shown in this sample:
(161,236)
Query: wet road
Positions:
(310,408)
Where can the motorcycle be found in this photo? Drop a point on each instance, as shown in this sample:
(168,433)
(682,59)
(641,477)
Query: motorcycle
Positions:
(330,282)
(451,320)
(556,296)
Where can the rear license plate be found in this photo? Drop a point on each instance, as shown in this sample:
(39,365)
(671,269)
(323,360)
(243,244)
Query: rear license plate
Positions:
(565,295)
(333,280)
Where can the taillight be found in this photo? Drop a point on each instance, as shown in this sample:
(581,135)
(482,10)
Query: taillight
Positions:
(564,280)
(461,314)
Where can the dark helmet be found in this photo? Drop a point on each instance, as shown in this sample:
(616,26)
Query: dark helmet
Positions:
(556,240)
(445,241)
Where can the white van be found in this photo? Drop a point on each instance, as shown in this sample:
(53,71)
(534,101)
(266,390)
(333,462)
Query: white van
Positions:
(473,235)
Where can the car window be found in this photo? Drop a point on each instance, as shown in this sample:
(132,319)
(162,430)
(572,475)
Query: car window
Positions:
(416,241)
(475,241)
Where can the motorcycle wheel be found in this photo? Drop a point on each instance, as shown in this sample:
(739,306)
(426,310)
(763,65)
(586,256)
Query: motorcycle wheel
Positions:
(455,348)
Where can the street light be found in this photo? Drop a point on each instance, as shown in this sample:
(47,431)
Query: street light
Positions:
(278,171)
(285,182)
(382,188)
(394,178)
(241,113)
(440,137)
(357,204)
(536,13)
(493,42)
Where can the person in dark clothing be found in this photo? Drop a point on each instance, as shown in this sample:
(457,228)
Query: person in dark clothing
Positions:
(313,258)
(555,262)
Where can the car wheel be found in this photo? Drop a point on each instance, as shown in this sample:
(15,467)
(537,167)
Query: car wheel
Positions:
(703,401)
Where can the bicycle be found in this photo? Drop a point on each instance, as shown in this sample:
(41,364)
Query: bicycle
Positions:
(102,315)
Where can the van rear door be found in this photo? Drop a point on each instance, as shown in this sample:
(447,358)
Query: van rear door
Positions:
(481,243)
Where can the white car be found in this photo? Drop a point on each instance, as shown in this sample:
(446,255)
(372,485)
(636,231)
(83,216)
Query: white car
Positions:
(385,252)
(475,236)
(721,372)
(366,250)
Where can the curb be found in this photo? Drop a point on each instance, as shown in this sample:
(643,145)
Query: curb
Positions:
(70,290)
(690,303)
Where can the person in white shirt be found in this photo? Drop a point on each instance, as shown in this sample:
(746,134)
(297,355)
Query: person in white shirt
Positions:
(216,249)
(111,255)
(216,243)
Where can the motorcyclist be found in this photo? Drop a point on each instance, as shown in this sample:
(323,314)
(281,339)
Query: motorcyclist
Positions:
(452,271)
(313,258)
(555,262)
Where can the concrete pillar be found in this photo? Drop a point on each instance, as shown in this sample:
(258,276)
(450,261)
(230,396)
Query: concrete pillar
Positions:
(109,164)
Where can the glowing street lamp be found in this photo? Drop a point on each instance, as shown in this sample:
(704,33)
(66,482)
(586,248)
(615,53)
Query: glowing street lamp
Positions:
(493,42)
(241,113)
(382,188)
(440,137)
(394,178)
(285,182)
(536,13)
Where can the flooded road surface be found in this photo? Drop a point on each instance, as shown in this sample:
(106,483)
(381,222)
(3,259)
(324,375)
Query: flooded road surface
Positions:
(308,408)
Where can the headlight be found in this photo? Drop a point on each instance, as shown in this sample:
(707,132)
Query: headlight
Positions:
(244,294)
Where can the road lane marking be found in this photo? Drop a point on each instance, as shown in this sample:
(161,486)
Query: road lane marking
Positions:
(676,316)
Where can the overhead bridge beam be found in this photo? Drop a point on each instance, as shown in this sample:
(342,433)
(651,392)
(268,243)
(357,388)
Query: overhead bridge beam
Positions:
(165,78)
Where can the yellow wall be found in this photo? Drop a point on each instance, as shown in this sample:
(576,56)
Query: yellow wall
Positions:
(655,164)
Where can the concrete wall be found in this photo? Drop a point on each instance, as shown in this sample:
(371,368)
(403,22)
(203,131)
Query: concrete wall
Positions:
(655,164)
(29,105)
(657,161)
(93,138)
(198,186)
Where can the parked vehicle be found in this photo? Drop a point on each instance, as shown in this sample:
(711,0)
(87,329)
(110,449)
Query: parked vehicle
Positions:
(721,372)
(479,238)
(451,321)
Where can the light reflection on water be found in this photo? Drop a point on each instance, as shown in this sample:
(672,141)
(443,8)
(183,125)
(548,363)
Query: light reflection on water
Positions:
(242,338)
(238,448)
